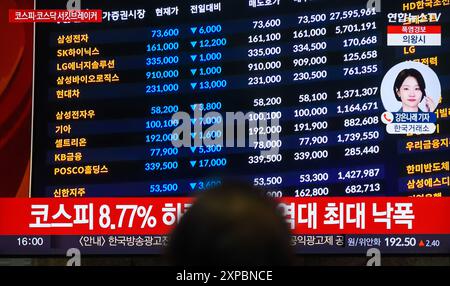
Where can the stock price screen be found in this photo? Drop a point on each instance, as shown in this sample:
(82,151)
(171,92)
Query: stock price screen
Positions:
(303,98)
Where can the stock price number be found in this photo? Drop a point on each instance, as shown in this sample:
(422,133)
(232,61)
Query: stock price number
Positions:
(358,122)
(265,159)
(359,56)
(358,174)
(267,181)
(355,28)
(311,192)
(313,177)
(359,151)
(400,241)
(357,93)
(358,136)
(357,107)
(311,126)
(354,71)
(311,155)
(362,188)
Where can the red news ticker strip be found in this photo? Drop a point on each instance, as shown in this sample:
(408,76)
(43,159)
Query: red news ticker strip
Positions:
(411,29)
(55,16)
(16,216)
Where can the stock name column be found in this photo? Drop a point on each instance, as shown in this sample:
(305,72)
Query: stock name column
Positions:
(110,152)
(79,63)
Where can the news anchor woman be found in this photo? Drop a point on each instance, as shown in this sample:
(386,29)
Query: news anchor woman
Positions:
(409,89)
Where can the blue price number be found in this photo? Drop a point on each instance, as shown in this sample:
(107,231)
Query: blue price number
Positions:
(158,61)
(165,33)
(163,188)
(160,124)
(161,138)
(161,166)
(160,152)
(162,88)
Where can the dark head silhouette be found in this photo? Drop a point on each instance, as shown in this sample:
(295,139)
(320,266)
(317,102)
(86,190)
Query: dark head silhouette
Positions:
(233,225)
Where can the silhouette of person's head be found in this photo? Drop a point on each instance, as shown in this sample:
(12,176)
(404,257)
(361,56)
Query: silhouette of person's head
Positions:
(233,225)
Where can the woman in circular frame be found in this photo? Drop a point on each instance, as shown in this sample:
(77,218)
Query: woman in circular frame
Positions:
(410,90)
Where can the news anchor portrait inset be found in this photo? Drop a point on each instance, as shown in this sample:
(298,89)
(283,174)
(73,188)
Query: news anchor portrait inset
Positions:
(410,87)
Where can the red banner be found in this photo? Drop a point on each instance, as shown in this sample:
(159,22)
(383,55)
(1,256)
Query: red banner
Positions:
(414,30)
(157,216)
(55,16)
